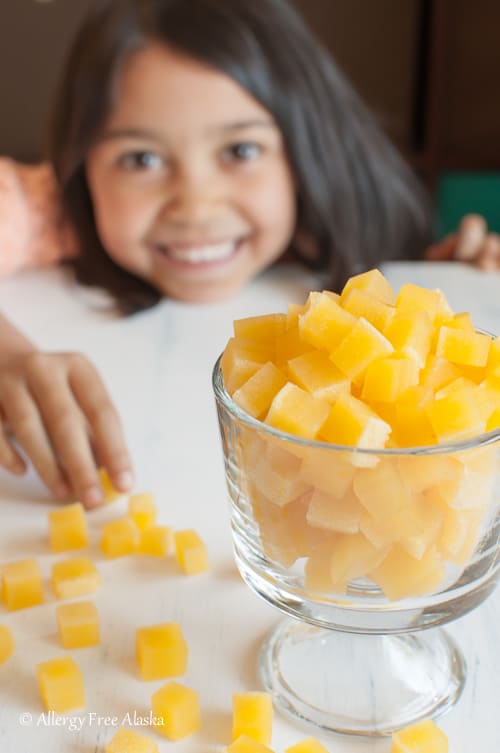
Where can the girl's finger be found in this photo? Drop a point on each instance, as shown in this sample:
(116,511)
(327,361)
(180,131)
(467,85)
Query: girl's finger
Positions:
(104,423)
(470,237)
(444,250)
(68,435)
(27,427)
(489,257)
(9,457)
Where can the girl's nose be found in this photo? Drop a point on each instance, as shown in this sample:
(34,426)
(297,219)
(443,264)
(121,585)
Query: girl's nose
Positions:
(193,197)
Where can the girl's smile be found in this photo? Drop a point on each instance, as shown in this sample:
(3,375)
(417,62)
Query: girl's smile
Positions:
(190,182)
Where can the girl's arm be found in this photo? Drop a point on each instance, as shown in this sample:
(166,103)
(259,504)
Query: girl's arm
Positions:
(471,243)
(55,408)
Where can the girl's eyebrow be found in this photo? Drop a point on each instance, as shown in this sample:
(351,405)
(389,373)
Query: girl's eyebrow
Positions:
(142,133)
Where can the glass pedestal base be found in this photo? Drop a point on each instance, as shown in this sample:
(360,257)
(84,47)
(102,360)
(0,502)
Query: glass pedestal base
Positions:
(369,685)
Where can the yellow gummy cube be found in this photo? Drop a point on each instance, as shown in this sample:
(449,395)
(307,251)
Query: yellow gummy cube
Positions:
(60,682)
(353,556)
(309,745)
(142,510)
(253,716)
(382,490)
(360,303)
(334,514)
(276,475)
(290,345)
(455,416)
(362,345)
(22,584)
(7,643)
(109,491)
(422,737)
(157,541)
(75,577)
(438,372)
(324,323)
(351,422)
(410,334)
(416,298)
(386,378)
(241,359)
(315,373)
(494,354)
(400,575)
(245,744)
(297,412)
(178,710)
(463,347)
(264,328)
(257,393)
(459,535)
(161,651)
(68,528)
(372,282)
(78,624)
(120,537)
(129,741)
(292,318)
(191,552)
(412,427)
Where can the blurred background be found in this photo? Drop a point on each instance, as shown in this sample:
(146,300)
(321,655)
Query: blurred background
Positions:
(429,70)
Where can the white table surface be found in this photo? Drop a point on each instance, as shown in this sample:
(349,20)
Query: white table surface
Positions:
(157,366)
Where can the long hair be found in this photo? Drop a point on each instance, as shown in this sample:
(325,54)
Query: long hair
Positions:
(358,203)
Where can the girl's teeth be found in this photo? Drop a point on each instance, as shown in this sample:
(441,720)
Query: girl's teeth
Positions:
(203,253)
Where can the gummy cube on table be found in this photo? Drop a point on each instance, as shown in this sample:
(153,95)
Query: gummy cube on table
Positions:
(176,709)
(120,537)
(129,741)
(309,745)
(257,393)
(157,541)
(76,576)
(22,584)
(191,552)
(253,716)
(422,737)
(68,528)
(297,412)
(246,744)
(7,643)
(314,372)
(78,624)
(372,282)
(109,491)
(60,682)
(324,323)
(142,510)
(356,351)
(161,651)
(463,347)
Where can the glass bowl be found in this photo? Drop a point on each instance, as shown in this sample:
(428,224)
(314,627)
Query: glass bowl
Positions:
(369,553)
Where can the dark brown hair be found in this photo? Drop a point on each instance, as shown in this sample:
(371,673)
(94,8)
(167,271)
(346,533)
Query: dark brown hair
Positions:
(358,203)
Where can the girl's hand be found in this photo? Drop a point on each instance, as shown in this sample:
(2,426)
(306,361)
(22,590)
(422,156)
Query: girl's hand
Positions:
(471,243)
(57,409)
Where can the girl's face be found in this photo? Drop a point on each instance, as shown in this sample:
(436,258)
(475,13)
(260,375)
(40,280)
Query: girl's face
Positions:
(190,183)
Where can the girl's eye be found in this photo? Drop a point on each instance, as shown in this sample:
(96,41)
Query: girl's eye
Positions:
(243,152)
(141,161)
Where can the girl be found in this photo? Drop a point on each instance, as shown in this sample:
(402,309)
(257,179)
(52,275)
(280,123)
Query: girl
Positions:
(194,143)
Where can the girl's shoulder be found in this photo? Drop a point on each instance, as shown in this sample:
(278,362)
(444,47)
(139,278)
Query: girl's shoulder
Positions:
(32,229)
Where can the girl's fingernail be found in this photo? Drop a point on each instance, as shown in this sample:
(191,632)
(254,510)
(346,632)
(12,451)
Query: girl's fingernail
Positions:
(124,480)
(93,496)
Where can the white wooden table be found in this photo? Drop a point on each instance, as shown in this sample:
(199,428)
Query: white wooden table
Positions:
(157,366)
